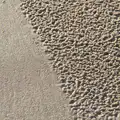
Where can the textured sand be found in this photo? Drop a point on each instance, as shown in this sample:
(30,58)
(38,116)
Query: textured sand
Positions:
(82,38)
(27,83)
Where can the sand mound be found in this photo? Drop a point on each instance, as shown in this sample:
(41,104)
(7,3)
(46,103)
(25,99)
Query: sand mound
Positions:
(82,38)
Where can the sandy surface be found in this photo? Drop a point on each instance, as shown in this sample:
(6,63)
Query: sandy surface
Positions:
(77,39)
(82,38)
(27,83)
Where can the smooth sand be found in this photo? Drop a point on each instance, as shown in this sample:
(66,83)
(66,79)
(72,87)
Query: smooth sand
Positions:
(27,83)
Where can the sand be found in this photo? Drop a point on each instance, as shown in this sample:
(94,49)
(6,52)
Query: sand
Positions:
(74,44)
(82,39)
(27,83)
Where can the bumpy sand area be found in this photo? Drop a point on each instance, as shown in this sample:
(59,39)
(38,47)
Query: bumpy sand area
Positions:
(82,39)
(27,83)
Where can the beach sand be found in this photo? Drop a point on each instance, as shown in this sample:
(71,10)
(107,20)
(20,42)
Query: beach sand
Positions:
(27,83)
(51,47)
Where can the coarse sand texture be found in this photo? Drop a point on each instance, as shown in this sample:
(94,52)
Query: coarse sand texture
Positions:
(82,40)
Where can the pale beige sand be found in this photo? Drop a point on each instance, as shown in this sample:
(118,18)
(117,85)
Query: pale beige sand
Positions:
(83,39)
(27,83)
